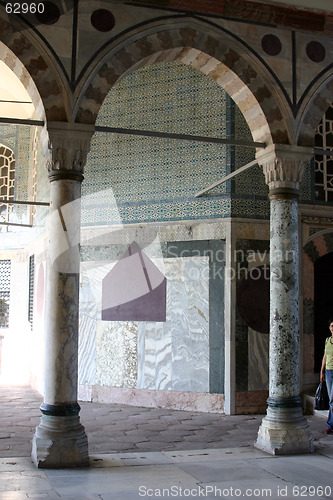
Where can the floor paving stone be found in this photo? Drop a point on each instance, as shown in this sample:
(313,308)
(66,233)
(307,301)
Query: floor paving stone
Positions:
(132,448)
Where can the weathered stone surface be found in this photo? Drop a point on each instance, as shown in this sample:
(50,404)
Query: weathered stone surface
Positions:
(60,442)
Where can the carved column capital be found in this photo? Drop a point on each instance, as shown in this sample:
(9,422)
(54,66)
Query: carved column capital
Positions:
(283,166)
(69,144)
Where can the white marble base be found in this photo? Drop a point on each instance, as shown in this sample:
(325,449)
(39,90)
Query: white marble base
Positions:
(173,400)
(60,442)
(284,432)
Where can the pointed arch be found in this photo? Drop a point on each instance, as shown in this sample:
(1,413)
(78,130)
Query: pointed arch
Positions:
(314,109)
(208,49)
(30,62)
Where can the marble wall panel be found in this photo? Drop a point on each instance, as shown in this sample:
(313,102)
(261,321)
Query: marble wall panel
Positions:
(91,277)
(87,342)
(116,353)
(154,357)
(96,240)
(191,344)
(173,355)
(163,358)
(258,361)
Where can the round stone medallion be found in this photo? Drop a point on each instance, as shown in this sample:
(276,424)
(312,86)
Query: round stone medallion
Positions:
(50,15)
(315,51)
(271,45)
(102,20)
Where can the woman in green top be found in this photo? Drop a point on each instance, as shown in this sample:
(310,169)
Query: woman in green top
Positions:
(326,373)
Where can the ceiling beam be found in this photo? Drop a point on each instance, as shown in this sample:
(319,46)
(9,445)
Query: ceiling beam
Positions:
(21,121)
(182,137)
(149,133)
(226,178)
(7,201)
(14,224)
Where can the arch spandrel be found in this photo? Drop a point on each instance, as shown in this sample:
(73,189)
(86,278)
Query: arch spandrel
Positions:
(220,58)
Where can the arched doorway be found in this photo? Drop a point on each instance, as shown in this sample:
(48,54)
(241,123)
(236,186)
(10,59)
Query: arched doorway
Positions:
(323,304)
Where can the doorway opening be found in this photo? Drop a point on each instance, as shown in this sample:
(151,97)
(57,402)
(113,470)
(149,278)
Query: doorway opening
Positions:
(323,304)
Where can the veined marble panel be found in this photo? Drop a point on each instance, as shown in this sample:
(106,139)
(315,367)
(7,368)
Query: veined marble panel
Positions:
(190,333)
(150,355)
(175,355)
(90,312)
(156,357)
(87,341)
(116,353)
(258,361)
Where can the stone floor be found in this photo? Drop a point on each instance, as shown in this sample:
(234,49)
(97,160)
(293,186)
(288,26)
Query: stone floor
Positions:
(152,453)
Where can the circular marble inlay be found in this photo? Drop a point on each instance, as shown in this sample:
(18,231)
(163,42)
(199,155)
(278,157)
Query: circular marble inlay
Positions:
(50,15)
(271,45)
(315,51)
(102,20)
(253,299)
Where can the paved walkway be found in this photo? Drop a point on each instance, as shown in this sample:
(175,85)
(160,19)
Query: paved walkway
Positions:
(155,453)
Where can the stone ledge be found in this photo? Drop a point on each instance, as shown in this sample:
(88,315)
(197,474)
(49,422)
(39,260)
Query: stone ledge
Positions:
(173,400)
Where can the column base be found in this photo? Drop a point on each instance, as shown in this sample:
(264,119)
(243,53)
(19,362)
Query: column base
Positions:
(284,430)
(59,442)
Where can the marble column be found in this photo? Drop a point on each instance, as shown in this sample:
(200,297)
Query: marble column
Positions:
(284,430)
(60,439)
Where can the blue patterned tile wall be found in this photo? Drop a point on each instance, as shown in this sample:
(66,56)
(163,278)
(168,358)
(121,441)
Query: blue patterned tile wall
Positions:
(156,179)
(18,139)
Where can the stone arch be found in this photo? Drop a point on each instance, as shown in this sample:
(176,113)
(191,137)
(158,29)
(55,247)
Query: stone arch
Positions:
(14,64)
(319,244)
(213,52)
(314,109)
(36,72)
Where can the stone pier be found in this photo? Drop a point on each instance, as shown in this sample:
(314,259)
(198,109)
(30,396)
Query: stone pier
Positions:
(60,439)
(284,430)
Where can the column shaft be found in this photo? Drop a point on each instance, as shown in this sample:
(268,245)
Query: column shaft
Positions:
(62,295)
(60,439)
(284,296)
(284,430)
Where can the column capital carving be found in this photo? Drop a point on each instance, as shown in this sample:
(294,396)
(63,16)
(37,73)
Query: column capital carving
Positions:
(69,144)
(283,166)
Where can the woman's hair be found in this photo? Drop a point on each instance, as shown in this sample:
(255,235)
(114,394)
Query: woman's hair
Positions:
(330,321)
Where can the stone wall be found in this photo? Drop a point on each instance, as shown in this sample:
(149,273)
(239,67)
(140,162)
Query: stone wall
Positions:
(184,354)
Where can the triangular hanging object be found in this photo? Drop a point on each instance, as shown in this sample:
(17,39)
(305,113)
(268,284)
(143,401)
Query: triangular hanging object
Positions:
(134,290)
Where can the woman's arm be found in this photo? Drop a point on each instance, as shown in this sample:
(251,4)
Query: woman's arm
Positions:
(322,371)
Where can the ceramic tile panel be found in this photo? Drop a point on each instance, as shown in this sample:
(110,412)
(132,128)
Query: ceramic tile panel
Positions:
(152,178)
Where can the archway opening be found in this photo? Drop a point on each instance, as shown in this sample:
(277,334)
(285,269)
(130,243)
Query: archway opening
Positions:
(23,184)
(323,304)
